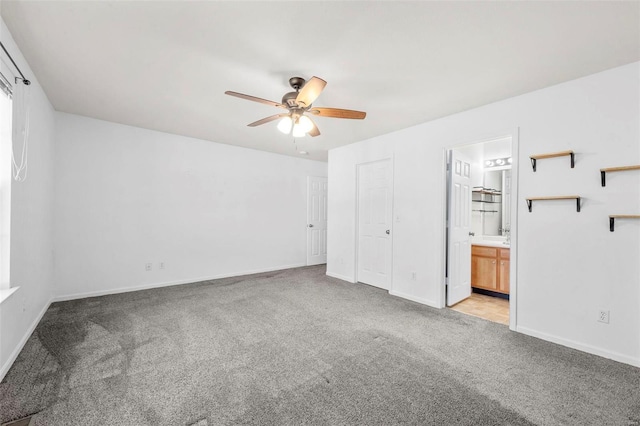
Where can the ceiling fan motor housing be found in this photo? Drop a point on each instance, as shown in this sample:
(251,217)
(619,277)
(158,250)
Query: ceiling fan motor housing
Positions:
(289,99)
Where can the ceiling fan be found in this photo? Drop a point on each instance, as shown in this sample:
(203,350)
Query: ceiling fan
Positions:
(299,106)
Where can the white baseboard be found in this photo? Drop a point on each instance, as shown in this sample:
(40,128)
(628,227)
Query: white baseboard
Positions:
(580,346)
(414,299)
(7,365)
(74,296)
(341,277)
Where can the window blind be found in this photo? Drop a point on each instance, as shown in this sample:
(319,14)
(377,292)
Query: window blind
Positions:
(5,86)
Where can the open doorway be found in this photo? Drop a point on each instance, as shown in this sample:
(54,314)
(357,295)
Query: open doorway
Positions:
(480,197)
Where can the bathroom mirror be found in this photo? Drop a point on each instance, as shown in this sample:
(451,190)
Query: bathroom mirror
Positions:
(494,205)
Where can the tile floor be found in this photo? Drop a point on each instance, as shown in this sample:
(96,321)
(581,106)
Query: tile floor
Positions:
(490,308)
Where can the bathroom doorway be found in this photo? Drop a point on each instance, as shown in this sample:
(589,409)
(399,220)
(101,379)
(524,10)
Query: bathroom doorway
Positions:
(481,201)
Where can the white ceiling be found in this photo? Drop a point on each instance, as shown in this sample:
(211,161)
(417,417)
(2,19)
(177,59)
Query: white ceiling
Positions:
(166,65)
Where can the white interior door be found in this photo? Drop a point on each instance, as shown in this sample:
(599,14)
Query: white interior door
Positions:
(374,223)
(459,227)
(316,220)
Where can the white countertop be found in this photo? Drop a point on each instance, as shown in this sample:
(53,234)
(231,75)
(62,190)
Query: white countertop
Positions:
(489,243)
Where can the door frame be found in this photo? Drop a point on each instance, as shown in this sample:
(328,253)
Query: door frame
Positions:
(514,134)
(357,218)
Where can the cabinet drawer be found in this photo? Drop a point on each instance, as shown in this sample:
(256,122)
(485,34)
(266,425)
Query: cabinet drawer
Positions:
(484,251)
(504,254)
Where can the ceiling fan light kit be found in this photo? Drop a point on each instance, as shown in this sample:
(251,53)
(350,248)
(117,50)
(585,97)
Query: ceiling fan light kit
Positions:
(304,124)
(285,125)
(298,132)
(298,103)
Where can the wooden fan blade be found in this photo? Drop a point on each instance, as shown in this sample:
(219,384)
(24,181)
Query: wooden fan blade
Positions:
(310,91)
(338,113)
(314,130)
(266,120)
(254,99)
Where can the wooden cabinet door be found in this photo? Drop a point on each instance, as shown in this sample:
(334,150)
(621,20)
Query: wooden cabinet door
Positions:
(484,273)
(503,285)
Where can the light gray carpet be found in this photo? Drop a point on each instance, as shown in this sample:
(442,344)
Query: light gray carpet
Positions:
(296,347)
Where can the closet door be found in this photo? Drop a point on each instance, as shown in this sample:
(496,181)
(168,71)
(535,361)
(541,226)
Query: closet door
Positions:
(374,223)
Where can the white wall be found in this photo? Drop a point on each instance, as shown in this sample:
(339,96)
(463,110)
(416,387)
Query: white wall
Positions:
(31,224)
(569,264)
(127,196)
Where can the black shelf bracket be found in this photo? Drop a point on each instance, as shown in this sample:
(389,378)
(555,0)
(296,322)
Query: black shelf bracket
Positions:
(603,172)
(533,164)
(613,217)
(530,201)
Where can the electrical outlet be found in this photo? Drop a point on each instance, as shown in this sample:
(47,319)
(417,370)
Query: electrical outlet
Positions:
(603,316)
(413,275)
(161,265)
(147,266)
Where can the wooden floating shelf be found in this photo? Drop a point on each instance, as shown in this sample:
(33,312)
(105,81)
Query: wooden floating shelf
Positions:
(530,200)
(603,172)
(534,158)
(613,217)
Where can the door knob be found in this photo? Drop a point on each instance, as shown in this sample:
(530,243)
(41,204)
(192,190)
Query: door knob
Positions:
(310,225)
(387,231)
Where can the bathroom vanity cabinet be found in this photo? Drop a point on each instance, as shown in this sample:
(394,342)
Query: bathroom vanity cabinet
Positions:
(490,268)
